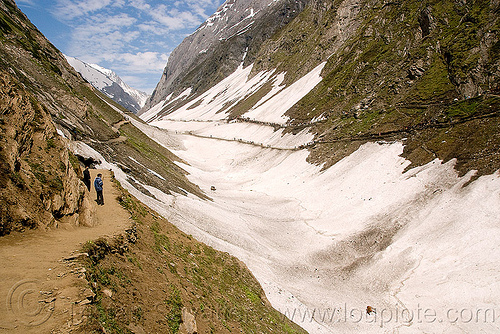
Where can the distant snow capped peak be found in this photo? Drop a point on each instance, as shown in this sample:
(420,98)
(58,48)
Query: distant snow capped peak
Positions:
(109,83)
(101,69)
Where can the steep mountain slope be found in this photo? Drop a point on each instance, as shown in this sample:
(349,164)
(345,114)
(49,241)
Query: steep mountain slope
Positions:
(407,70)
(47,108)
(79,111)
(391,71)
(39,176)
(109,83)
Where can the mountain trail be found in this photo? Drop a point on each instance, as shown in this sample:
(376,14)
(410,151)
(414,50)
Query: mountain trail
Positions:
(41,289)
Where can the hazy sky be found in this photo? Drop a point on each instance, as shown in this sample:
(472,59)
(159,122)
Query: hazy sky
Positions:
(131,37)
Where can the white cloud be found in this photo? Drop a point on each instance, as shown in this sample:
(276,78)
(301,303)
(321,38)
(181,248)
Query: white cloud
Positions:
(69,9)
(200,6)
(140,82)
(142,62)
(101,34)
(140,4)
(111,26)
(132,80)
(169,17)
(177,20)
(131,37)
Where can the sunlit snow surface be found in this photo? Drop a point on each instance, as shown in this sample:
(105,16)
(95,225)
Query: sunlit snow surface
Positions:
(417,246)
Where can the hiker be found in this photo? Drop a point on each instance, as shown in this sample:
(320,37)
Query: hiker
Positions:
(86,177)
(98,188)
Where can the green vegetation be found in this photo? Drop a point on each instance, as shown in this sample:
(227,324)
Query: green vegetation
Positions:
(107,317)
(434,84)
(463,109)
(96,98)
(133,259)
(56,184)
(75,163)
(39,172)
(174,304)
(17,180)
(50,144)
(243,106)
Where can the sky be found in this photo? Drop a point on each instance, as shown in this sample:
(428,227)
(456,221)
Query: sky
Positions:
(131,37)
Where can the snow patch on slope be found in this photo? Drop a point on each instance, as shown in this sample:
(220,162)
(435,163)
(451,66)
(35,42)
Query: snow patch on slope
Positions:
(244,132)
(222,96)
(274,109)
(94,74)
(300,230)
(325,244)
(152,113)
(214,104)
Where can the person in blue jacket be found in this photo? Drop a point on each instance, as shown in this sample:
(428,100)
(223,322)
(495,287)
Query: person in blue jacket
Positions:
(98,184)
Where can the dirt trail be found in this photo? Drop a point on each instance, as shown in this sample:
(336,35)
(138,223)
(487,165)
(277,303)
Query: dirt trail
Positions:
(39,291)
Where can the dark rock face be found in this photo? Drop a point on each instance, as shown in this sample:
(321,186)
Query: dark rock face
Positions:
(118,95)
(425,20)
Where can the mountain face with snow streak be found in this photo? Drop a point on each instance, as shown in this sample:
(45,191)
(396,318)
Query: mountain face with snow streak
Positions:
(109,83)
(233,34)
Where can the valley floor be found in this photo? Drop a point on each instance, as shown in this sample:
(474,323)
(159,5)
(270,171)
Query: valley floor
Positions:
(328,246)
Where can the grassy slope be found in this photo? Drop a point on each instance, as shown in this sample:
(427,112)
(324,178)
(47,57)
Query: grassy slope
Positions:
(397,75)
(164,270)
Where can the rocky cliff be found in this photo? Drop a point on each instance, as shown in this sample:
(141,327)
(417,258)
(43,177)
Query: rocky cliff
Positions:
(39,177)
(39,183)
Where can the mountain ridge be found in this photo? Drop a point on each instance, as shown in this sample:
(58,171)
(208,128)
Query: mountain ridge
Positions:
(206,56)
(109,83)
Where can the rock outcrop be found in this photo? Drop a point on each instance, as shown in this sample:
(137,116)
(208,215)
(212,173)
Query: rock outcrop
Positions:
(188,325)
(39,181)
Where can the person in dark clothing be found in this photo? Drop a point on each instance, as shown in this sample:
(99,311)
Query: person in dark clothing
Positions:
(86,177)
(98,184)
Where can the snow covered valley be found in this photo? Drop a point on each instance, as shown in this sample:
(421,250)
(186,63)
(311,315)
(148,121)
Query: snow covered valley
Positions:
(416,246)
(364,246)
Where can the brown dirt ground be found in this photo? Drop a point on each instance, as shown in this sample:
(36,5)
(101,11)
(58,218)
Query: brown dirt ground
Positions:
(40,292)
